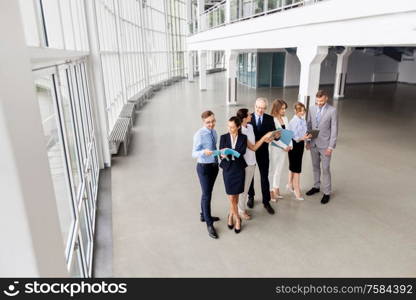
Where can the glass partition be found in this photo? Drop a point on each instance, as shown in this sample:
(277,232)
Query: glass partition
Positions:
(54,146)
(274,4)
(67,118)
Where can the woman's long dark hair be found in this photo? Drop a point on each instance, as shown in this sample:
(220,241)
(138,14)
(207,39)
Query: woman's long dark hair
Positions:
(242,113)
(237,121)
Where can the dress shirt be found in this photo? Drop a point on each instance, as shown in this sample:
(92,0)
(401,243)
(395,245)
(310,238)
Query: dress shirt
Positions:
(319,112)
(257,119)
(233,143)
(205,138)
(250,156)
(298,126)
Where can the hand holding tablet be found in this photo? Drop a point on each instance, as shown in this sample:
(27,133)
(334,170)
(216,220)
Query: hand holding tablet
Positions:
(314,133)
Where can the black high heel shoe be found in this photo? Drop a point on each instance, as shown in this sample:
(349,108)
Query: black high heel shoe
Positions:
(230,226)
(238,230)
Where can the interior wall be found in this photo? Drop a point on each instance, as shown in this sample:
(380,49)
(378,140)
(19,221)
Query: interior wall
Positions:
(407,70)
(292,70)
(328,69)
(360,67)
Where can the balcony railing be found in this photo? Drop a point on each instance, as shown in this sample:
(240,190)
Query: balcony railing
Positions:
(230,11)
(213,17)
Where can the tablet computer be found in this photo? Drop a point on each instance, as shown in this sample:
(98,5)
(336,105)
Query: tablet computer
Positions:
(314,133)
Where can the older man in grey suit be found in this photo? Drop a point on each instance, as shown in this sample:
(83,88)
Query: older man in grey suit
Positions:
(322,117)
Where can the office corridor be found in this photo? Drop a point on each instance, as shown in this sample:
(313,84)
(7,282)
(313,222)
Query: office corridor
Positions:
(366,230)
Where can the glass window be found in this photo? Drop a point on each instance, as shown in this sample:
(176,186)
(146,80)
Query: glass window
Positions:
(87,102)
(90,203)
(79,126)
(30,24)
(258,6)
(45,89)
(273,4)
(85,234)
(53,24)
(75,268)
(67,24)
(68,118)
(82,100)
(76,20)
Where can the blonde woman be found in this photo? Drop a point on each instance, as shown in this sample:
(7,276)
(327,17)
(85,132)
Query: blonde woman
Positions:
(278,155)
(298,126)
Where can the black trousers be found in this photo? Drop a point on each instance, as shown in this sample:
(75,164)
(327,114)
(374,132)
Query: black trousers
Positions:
(263,164)
(207,173)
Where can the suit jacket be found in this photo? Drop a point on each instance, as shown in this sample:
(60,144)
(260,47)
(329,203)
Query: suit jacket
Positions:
(240,147)
(266,126)
(328,126)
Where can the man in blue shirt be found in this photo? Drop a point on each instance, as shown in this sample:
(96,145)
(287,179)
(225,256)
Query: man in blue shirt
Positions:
(205,142)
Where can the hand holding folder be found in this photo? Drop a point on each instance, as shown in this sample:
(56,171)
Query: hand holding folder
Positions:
(285,137)
(226,151)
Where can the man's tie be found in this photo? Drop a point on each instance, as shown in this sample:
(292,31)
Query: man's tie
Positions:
(214,144)
(258,122)
(318,115)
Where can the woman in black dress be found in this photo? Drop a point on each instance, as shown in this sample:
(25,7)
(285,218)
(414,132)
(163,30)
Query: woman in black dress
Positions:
(299,128)
(234,168)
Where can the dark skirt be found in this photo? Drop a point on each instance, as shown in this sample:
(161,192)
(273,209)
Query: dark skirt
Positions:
(295,157)
(234,178)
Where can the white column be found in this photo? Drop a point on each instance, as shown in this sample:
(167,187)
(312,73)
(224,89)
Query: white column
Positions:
(200,18)
(97,86)
(266,5)
(189,21)
(341,72)
(210,59)
(231,65)
(227,11)
(31,240)
(190,64)
(310,58)
(202,61)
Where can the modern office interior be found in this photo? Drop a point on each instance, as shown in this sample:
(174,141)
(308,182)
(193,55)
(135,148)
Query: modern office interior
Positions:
(99,101)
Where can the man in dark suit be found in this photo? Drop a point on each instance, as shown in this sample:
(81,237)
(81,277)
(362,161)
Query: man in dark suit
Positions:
(262,124)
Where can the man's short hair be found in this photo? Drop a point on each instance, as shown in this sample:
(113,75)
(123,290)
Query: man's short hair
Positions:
(264,100)
(321,93)
(206,114)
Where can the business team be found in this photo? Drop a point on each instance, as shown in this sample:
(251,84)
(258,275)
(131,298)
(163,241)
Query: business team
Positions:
(251,135)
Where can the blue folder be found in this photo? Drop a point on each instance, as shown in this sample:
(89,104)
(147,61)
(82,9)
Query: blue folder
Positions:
(226,152)
(285,137)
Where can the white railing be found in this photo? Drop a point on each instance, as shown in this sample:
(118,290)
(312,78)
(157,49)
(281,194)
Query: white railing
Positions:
(213,17)
(240,10)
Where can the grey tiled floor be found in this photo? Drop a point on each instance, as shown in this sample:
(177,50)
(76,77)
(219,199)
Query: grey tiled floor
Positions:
(368,228)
